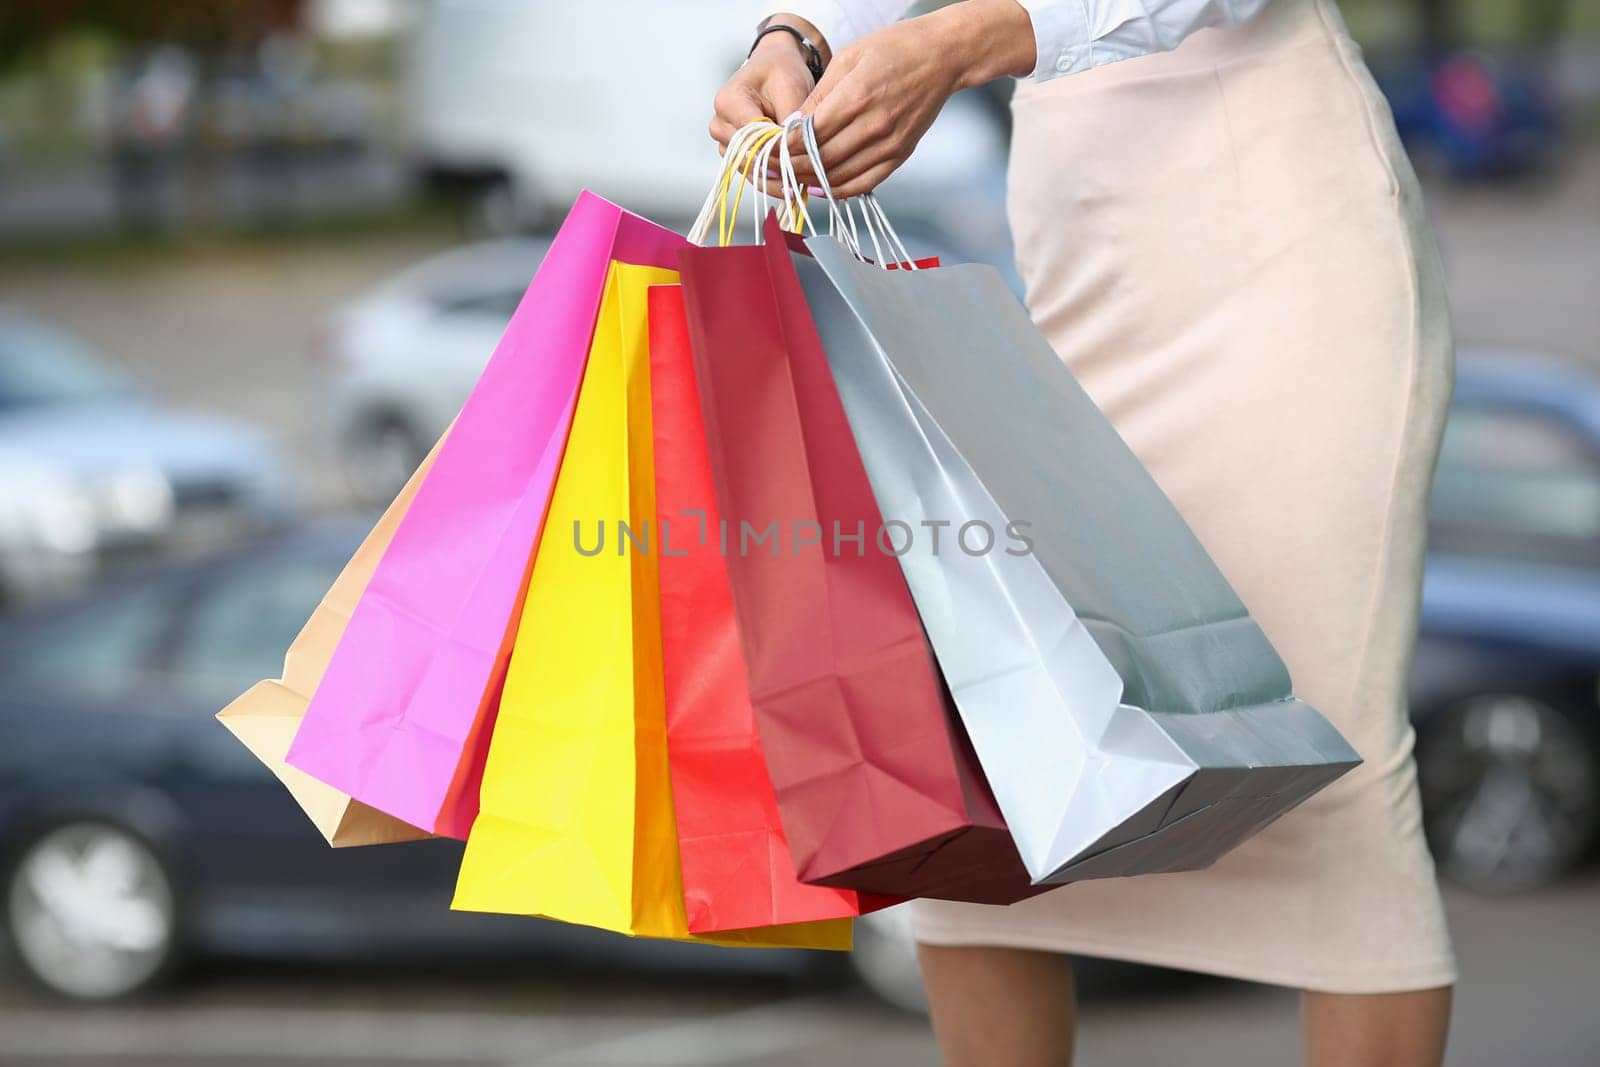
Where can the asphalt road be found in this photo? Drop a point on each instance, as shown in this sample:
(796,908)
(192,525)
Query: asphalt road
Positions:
(1526,997)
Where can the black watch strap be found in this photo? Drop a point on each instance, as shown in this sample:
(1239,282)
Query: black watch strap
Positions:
(812,53)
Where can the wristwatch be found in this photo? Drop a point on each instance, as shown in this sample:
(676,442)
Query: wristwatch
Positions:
(812,53)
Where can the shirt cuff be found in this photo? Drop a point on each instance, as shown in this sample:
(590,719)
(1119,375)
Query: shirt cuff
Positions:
(1062,37)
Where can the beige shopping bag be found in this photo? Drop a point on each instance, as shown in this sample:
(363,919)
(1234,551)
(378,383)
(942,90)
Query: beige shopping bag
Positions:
(266,717)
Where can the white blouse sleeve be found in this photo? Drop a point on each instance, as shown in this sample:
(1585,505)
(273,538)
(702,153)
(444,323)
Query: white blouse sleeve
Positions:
(1074,35)
(842,22)
(1069,35)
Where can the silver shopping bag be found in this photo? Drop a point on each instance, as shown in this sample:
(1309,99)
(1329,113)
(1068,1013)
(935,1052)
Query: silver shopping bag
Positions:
(1129,714)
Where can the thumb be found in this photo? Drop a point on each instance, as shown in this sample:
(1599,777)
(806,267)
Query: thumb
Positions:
(781,101)
(738,104)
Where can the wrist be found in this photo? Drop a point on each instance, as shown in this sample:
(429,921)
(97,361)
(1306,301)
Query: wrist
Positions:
(986,39)
(806,28)
(782,49)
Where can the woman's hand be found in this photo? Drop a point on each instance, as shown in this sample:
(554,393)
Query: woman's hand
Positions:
(880,95)
(773,82)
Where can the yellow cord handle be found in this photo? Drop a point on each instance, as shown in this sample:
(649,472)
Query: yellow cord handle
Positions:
(727,220)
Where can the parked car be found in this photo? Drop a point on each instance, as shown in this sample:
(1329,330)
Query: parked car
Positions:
(1506,686)
(404,356)
(93,470)
(135,831)
(1470,115)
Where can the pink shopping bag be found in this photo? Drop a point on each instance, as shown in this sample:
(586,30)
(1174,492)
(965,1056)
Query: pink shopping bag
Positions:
(402,718)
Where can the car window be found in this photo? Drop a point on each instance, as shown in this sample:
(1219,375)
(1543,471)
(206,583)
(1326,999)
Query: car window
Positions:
(1519,484)
(101,649)
(42,366)
(241,624)
(500,305)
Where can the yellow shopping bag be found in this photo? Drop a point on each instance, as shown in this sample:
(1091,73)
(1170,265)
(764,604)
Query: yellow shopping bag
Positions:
(575,819)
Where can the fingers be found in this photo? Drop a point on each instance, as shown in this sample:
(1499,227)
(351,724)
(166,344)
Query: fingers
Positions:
(774,186)
(853,152)
(855,174)
(870,158)
(757,91)
(868,180)
(783,98)
(804,172)
(837,73)
(857,135)
(855,129)
(737,104)
(848,121)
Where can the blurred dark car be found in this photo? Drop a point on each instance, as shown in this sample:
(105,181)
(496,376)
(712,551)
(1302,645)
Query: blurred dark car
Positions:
(1471,115)
(135,830)
(93,470)
(1506,687)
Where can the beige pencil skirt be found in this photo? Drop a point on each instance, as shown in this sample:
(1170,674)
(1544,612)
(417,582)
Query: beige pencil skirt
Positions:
(1227,246)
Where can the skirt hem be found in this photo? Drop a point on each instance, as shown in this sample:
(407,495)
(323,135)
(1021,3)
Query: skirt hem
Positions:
(1431,974)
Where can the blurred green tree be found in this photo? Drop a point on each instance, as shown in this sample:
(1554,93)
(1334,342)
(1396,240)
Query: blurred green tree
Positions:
(206,27)
(207,32)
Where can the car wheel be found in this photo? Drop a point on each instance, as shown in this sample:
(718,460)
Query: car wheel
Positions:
(91,912)
(1510,791)
(885,959)
(379,458)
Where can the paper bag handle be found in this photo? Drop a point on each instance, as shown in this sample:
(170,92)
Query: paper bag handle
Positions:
(750,153)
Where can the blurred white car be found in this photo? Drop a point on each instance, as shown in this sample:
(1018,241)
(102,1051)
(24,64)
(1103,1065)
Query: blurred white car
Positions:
(92,470)
(405,355)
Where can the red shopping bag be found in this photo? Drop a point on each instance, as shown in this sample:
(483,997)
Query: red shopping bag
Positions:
(876,781)
(737,869)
